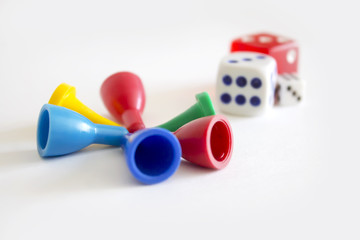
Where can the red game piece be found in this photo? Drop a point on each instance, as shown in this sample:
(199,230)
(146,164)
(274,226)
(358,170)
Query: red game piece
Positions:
(207,141)
(124,97)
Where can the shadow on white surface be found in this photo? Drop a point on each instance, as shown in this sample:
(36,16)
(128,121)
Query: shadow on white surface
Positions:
(99,167)
(26,133)
(96,167)
(18,148)
(190,170)
(15,159)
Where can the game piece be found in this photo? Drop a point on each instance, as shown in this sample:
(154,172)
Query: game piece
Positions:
(124,96)
(152,155)
(207,141)
(246,83)
(114,91)
(289,90)
(202,108)
(284,50)
(64,96)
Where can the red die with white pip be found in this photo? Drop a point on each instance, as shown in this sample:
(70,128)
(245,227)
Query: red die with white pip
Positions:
(284,50)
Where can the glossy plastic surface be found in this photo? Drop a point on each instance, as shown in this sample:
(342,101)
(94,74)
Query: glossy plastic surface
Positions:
(152,155)
(61,131)
(65,96)
(123,95)
(207,141)
(202,108)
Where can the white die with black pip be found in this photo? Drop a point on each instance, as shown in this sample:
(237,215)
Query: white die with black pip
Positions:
(289,89)
(246,83)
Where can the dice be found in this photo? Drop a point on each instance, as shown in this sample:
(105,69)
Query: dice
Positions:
(284,50)
(289,90)
(246,83)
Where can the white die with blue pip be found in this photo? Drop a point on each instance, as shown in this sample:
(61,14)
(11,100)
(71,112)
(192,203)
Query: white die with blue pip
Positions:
(246,83)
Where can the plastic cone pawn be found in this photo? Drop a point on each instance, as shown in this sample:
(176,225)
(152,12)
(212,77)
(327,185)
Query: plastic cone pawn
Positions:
(152,155)
(65,96)
(207,141)
(124,96)
(202,108)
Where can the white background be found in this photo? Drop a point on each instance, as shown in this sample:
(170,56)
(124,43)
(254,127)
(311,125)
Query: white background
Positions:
(294,173)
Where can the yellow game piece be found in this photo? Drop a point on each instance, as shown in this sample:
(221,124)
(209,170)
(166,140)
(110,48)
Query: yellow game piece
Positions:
(64,96)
